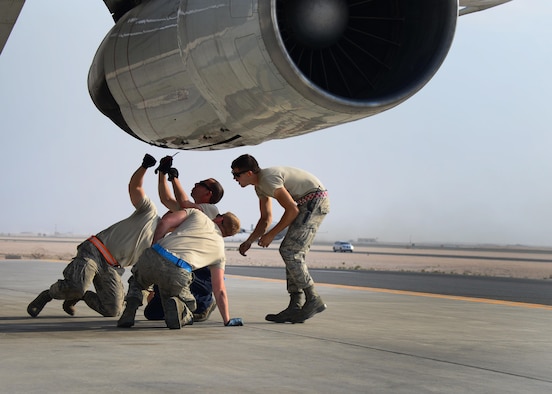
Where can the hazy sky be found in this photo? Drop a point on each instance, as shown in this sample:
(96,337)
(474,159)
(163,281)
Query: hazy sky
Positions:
(467,159)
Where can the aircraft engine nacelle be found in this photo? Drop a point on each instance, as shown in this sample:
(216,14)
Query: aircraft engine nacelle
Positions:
(214,74)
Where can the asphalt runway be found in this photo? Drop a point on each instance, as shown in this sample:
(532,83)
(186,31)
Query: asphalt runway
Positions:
(532,291)
(369,340)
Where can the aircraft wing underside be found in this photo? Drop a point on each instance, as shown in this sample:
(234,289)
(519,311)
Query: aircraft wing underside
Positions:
(119,7)
(469,6)
(10,10)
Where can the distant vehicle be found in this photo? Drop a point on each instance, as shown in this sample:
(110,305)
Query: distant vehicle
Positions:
(341,246)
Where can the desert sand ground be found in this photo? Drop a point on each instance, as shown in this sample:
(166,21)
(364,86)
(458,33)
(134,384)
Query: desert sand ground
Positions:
(507,262)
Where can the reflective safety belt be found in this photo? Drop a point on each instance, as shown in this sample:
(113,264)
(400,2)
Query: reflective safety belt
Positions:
(104,251)
(312,196)
(171,257)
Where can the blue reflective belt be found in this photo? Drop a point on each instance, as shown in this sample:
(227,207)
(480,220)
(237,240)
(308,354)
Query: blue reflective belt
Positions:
(172,258)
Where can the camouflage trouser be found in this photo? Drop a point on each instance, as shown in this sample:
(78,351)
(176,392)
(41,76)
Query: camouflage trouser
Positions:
(298,240)
(173,281)
(89,267)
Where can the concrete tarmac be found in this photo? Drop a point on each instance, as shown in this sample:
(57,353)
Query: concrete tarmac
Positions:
(367,341)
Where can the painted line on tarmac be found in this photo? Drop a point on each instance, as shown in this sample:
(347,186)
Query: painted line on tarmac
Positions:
(413,293)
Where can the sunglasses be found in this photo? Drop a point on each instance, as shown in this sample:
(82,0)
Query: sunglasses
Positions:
(205,185)
(223,230)
(236,175)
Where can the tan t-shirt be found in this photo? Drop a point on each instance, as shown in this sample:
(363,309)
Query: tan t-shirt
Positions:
(296,181)
(197,240)
(127,239)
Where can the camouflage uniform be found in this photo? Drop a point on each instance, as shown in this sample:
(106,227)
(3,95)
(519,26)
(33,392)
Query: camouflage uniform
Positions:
(125,240)
(195,243)
(298,240)
(90,267)
(172,281)
(312,201)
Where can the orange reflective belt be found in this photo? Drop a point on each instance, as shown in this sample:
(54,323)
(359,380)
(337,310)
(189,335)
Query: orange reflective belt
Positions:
(103,250)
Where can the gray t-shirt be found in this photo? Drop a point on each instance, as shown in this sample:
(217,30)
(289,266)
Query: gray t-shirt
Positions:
(296,181)
(127,239)
(210,210)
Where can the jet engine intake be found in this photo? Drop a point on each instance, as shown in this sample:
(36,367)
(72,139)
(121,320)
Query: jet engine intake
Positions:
(217,74)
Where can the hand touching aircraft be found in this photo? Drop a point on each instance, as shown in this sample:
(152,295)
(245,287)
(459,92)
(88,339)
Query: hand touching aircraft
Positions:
(218,74)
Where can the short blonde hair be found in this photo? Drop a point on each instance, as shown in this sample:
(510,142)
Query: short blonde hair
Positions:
(230,224)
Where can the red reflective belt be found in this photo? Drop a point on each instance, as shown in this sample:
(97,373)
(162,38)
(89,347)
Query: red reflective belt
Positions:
(312,196)
(103,250)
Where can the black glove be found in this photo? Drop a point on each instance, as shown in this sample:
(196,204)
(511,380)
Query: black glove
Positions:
(236,321)
(164,164)
(173,173)
(149,161)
